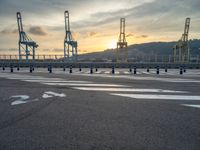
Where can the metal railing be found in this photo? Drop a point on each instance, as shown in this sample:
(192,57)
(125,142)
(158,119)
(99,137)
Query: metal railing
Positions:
(137,59)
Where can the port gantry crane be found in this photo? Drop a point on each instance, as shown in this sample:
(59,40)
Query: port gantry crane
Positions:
(26,45)
(70,45)
(181,50)
(121,51)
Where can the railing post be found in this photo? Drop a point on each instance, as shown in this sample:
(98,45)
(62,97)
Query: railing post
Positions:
(157,70)
(169,58)
(135,70)
(181,70)
(156,58)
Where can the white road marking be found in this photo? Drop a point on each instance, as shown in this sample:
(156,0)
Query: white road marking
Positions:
(138,72)
(87,72)
(98,72)
(45,96)
(22,99)
(41,79)
(34,78)
(145,72)
(107,72)
(127,90)
(55,94)
(77,84)
(57,81)
(117,72)
(26,77)
(126,72)
(195,106)
(155,96)
(17,102)
(175,80)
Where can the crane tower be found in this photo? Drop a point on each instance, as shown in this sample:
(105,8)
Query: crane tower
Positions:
(26,45)
(181,50)
(122,53)
(70,45)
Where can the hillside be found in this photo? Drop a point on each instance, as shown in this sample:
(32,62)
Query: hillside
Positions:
(157,48)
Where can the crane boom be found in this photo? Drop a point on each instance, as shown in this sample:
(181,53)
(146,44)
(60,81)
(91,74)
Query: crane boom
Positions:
(19,22)
(121,51)
(181,50)
(122,37)
(186,30)
(26,45)
(70,45)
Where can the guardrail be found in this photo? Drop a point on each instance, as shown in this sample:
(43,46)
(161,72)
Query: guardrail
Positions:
(101,65)
(135,59)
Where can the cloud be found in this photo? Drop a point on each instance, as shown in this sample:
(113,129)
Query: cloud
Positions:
(130,35)
(85,34)
(152,14)
(15,31)
(9,49)
(75,35)
(57,50)
(144,36)
(46,50)
(92,34)
(155,12)
(8,31)
(37,30)
(52,50)
(89,34)
(5,31)
(82,50)
(49,7)
(144,19)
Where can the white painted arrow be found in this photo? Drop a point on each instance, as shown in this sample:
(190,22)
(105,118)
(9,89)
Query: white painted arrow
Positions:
(50,94)
(22,99)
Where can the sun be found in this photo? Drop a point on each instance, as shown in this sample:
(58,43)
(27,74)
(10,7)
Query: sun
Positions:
(112,44)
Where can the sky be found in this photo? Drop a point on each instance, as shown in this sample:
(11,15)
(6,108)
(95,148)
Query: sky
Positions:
(95,23)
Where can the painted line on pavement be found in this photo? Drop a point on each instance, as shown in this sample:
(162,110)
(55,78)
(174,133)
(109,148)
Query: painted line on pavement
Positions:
(77,84)
(160,97)
(56,81)
(187,105)
(127,90)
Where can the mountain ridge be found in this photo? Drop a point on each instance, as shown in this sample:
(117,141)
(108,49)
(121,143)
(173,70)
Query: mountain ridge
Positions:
(145,49)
